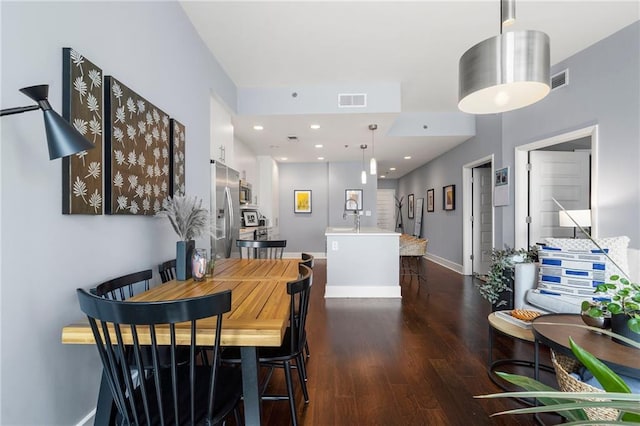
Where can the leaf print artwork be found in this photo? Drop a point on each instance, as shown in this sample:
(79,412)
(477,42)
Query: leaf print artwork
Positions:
(165,121)
(163,186)
(93,170)
(134,207)
(147,188)
(165,169)
(81,156)
(81,87)
(80,125)
(96,79)
(131,132)
(95,200)
(148,139)
(119,155)
(78,60)
(149,119)
(146,205)
(140,191)
(157,172)
(150,171)
(141,161)
(133,181)
(122,202)
(92,103)
(117,91)
(118,181)
(132,158)
(131,106)
(118,134)
(156,116)
(80,189)
(155,133)
(156,190)
(156,206)
(142,128)
(120,115)
(94,127)
(141,106)
(163,135)
(156,153)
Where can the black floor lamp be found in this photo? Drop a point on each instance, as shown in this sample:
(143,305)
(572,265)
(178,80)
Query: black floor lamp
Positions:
(62,138)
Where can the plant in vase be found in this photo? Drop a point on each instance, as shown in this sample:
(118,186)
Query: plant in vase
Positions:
(189,220)
(498,287)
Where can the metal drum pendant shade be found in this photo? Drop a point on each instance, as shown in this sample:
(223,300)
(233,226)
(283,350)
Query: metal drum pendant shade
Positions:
(505,72)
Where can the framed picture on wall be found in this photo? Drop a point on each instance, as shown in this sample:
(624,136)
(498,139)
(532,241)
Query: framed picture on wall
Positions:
(250,218)
(302,201)
(411,207)
(430,203)
(353,199)
(449,197)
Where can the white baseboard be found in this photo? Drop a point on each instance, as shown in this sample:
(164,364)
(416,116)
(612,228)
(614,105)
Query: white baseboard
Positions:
(455,267)
(357,291)
(87,420)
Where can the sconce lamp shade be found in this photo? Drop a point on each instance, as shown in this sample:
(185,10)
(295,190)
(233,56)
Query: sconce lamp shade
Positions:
(62,138)
(581,217)
(505,72)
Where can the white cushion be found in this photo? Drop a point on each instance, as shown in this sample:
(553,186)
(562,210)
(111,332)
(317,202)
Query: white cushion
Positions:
(617,250)
(554,302)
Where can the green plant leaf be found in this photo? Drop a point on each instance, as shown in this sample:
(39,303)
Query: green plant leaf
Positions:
(634,325)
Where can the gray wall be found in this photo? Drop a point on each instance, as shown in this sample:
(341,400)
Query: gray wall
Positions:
(45,256)
(604,89)
(328,181)
(388,184)
(444,228)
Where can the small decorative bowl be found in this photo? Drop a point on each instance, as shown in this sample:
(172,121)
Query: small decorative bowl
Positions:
(599,322)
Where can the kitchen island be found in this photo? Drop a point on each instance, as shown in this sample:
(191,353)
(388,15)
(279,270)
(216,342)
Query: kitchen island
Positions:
(362,263)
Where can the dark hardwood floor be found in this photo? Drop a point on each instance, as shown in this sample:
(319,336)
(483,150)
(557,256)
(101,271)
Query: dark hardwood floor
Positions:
(415,361)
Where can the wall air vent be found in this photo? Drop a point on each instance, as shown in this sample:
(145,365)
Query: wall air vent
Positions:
(560,79)
(292,138)
(352,100)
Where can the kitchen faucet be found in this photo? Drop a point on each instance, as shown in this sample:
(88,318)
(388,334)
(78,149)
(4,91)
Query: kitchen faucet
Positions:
(354,213)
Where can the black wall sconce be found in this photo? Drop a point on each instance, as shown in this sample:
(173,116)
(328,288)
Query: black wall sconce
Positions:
(62,138)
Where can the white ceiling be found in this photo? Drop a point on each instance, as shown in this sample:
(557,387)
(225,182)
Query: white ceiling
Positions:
(293,44)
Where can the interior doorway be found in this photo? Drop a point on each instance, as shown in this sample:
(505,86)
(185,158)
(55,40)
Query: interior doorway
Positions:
(385,207)
(526,211)
(478,234)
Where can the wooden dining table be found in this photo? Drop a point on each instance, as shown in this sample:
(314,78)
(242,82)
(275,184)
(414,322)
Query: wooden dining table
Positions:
(259,317)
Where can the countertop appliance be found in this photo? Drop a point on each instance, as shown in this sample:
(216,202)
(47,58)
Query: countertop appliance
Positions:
(245,192)
(225,205)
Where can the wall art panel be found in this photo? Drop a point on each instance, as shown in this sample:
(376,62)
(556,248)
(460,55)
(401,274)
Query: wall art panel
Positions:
(82,106)
(177,156)
(137,152)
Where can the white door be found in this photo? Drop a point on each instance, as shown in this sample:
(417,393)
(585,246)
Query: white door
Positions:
(564,176)
(385,205)
(482,219)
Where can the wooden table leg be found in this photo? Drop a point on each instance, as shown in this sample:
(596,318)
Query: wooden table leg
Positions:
(250,386)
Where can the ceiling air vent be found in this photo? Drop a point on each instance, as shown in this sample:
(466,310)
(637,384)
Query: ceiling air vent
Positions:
(560,79)
(292,138)
(352,100)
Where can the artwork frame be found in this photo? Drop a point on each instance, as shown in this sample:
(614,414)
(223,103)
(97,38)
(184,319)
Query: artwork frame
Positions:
(411,206)
(417,225)
(501,187)
(449,197)
(430,200)
(177,154)
(250,218)
(302,201)
(353,199)
(83,108)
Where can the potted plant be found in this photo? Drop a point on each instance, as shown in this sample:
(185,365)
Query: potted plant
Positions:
(498,287)
(189,220)
(620,301)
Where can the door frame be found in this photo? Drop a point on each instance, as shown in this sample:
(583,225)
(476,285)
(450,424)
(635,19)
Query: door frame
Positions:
(467,211)
(522,182)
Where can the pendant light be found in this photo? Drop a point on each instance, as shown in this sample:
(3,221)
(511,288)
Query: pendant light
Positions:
(363,174)
(505,72)
(373,164)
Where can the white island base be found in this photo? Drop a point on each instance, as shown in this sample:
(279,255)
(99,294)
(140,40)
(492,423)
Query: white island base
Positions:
(362,264)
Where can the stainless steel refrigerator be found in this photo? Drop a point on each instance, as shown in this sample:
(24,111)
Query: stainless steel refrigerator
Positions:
(225,205)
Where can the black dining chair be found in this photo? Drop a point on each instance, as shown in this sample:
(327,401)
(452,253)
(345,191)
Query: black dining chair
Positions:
(307,260)
(261,249)
(288,355)
(124,287)
(167,270)
(175,394)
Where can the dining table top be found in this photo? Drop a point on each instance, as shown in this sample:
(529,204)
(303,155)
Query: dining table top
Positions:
(259,304)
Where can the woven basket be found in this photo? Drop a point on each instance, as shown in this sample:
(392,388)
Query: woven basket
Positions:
(564,365)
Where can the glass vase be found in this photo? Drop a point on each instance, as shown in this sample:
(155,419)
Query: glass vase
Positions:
(199,262)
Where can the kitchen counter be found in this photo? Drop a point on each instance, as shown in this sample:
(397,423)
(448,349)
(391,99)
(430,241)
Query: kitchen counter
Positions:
(362,264)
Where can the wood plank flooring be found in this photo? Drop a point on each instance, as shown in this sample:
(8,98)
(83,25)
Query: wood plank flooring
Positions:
(415,361)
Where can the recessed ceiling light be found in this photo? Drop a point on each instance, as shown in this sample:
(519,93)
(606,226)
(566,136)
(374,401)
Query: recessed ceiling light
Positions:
(315,126)
(392,168)
(258,127)
(408,157)
(382,176)
(319,145)
(284,158)
(320,158)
